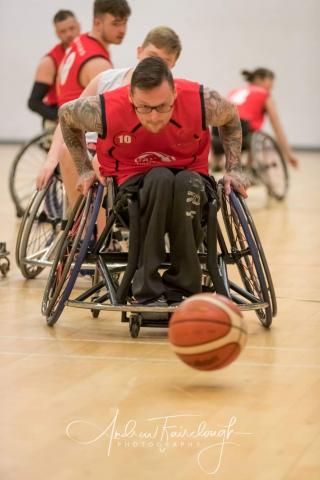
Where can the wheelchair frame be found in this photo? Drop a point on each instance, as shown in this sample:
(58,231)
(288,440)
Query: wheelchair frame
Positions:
(74,254)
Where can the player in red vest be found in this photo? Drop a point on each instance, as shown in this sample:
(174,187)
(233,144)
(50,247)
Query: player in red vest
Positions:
(254,102)
(87,56)
(154,139)
(43,98)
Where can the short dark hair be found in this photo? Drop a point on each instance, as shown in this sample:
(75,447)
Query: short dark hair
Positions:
(164,38)
(150,73)
(62,15)
(117,8)
(260,72)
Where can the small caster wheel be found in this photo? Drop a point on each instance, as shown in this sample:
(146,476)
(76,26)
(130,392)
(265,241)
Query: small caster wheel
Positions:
(95,313)
(4,266)
(124,318)
(134,325)
(50,320)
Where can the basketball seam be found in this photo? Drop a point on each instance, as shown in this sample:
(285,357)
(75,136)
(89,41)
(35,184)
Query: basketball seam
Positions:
(198,349)
(220,322)
(222,361)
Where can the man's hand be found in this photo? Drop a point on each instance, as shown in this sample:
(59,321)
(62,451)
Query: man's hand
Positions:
(95,166)
(86,181)
(236,181)
(44,175)
(294,162)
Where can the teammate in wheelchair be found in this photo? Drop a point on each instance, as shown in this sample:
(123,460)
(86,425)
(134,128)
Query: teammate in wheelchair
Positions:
(154,141)
(254,102)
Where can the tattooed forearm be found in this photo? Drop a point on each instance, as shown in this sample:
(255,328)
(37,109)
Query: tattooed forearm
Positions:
(223,114)
(76,118)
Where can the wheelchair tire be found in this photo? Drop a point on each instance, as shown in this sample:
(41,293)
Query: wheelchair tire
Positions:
(268,165)
(262,256)
(245,251)
(135,325)
(70,254)
(40,228)
(22,227)
(25,168)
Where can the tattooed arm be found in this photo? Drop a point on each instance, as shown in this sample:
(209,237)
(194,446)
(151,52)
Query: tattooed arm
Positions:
(221,113)
(76,118)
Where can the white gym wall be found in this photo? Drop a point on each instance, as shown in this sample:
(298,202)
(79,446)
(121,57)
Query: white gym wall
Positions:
(219,37)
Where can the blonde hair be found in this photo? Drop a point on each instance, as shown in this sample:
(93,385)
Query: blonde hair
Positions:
(164,38)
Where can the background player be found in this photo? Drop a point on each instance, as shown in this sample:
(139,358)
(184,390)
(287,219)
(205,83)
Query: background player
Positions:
(254,102)
(87,56)
(43,98)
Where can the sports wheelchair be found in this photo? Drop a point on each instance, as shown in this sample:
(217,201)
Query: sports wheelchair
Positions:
(264,164)
(41,228)
(25,167)
(4,259)
(232,259)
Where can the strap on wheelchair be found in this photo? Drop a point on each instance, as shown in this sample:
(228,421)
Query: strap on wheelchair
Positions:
(212,263)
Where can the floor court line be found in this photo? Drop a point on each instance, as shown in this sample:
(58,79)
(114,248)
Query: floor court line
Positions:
(145,342)
(150,360)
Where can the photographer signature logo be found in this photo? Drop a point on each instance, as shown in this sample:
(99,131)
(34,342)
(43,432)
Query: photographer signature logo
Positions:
(163,433)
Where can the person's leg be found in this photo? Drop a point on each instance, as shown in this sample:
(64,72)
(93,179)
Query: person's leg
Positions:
(183,278)
(155,204)
(101,220)
(69,176)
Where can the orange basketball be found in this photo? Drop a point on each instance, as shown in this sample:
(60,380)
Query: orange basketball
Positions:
(207,331)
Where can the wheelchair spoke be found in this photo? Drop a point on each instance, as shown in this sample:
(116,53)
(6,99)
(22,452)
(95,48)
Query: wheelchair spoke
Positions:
(25,168)
(246,256)
(70,254)
(269,165)
(40,229)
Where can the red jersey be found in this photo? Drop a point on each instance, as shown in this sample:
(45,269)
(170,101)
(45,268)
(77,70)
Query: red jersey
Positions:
(57,54)
(250,101)
(82,49)
(129,149)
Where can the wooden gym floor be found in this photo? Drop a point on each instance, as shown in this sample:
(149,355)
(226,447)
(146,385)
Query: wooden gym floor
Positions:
(85,401)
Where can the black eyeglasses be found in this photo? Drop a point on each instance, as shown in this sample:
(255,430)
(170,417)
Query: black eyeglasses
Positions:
(163,108)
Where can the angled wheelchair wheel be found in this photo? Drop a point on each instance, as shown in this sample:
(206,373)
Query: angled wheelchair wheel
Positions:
(22,227)
(40,229)
(268,165)
(25,168)
(263,259)
(244,250)
(70,254)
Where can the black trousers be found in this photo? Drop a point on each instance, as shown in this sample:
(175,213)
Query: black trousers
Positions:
(173,202)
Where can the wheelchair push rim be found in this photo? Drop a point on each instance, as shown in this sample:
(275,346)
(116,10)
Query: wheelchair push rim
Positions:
(245,253)
(70,254)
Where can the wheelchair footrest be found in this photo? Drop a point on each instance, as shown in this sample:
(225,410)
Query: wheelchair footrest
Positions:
(154,319)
